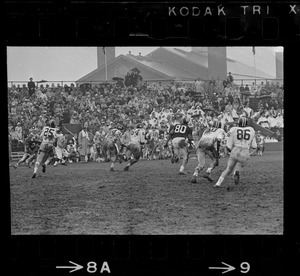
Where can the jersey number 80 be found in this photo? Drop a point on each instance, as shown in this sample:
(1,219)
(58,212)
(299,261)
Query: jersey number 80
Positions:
(180,129)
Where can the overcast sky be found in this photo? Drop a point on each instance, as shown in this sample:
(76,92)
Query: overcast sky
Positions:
(59,63)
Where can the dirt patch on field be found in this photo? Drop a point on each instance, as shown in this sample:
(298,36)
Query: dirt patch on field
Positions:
(151,198)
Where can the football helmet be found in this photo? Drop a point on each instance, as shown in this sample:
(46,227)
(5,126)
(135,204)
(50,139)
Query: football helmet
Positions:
(242,122)
(185,120)
(52,123)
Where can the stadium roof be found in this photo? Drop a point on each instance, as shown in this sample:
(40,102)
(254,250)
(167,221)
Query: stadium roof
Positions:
(191,62)
(176,64)
(119,66)
(170,69)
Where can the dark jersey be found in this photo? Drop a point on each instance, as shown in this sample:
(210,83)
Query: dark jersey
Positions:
(33,146)
(179,130)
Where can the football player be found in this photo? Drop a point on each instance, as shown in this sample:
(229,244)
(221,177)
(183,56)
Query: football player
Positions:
(46,148)
(182,140)
(97,146)
(60,151)
(260,141)
(111,146)
(72,151)
(239,141)
(32,145)
(152,142)
(38,141)
(126,137)
(163,152)
(209,145)
(133,147)
(223,149)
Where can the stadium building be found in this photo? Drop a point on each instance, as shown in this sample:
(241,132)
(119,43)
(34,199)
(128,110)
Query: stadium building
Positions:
(205,63)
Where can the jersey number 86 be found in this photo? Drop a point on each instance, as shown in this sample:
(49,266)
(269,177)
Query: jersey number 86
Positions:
(243,134)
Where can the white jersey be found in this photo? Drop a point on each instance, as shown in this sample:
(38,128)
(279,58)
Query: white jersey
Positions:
(210,136)
(260,139)
(241,137)
(48,135)
(126,137)
(60,140)
(71,148)
(137,136)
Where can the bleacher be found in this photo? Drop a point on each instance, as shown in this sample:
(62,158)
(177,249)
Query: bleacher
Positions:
(17,150)
(16,155)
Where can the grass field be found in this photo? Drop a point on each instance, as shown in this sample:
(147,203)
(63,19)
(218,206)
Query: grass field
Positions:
(151,198)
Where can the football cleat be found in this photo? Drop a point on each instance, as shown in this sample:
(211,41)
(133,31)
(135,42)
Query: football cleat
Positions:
(126,168)
(34,175)
(112,169)
(182,173)
(236,178)
(208,177)
(217,186)
(194,179)
(64,163)
(43,168)
(15,166)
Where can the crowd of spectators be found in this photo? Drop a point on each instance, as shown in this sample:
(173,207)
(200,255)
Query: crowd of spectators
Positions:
(154,103)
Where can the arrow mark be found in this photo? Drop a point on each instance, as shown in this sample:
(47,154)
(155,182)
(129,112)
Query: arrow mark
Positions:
(76,267)
(227,268)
